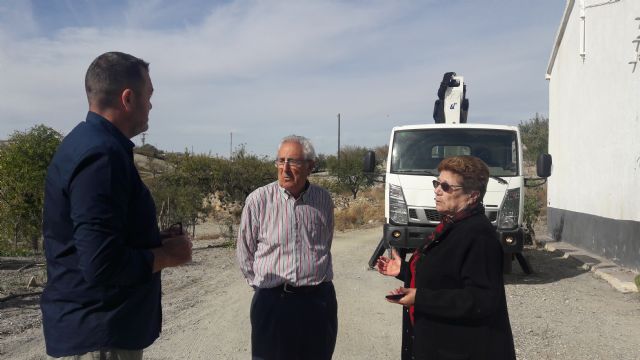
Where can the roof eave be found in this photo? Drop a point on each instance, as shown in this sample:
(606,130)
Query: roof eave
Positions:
(563,25)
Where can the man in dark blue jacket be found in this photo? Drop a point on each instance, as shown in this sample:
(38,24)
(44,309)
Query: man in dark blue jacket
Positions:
(103,247)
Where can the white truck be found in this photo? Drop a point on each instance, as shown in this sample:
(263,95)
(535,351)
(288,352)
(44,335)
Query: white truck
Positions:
(414,154)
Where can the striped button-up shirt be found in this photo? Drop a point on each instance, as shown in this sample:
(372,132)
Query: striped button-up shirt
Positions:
(286,240)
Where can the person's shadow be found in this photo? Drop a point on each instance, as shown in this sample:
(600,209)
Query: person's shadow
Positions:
(546,267)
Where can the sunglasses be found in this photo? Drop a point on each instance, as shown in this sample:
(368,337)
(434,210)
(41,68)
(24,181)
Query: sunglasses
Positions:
(445,186)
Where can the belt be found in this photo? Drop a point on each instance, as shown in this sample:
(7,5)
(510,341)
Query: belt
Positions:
(290,289)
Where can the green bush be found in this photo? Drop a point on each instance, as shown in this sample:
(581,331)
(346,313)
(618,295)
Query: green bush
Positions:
(180,193)
(149,151)
(348,171)
(228,226)
(183,192)
(532,208)
(535,137)
(24,159)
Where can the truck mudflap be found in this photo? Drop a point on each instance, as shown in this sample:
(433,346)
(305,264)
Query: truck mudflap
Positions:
(512,244)
(512,240)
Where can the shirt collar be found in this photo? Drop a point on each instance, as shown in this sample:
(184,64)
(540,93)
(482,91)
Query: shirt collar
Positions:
(98,120)
(286,193)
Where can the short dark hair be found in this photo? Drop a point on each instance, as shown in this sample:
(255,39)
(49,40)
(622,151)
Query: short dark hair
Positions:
(109,74)
(474,172)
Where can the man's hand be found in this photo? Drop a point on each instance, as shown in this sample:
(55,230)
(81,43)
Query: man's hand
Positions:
(174,251)
(171,231)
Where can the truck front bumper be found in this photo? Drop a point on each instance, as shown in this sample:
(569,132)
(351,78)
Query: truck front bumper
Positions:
(412,237)
(406,237)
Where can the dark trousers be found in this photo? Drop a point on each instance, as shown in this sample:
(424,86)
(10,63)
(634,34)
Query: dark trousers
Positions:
(294,326)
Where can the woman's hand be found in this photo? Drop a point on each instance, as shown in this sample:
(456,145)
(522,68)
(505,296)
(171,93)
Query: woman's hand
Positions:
(390,266)
(409,296)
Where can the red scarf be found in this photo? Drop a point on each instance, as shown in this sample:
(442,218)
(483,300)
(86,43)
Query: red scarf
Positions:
(445,221)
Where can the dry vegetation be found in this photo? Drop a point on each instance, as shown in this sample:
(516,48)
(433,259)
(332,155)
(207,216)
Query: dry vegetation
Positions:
(23,276)
(367,209)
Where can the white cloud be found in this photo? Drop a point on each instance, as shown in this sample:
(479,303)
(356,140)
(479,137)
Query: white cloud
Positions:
(265,69)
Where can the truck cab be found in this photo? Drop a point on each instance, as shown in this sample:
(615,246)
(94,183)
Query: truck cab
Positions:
(412,164)
(414,154)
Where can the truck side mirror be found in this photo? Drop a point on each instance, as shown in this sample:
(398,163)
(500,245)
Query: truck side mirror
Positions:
(369,162)
(543,166)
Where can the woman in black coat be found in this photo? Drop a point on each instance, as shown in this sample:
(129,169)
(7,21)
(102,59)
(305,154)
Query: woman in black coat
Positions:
(454,291)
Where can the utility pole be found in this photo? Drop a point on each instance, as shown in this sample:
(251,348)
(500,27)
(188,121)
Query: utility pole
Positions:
(230,145)
(144,135)
(338,137)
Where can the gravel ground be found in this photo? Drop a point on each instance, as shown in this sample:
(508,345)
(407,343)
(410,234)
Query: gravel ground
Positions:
(559,312)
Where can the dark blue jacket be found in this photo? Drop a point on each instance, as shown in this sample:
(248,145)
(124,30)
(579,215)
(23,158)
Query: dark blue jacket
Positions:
(99,224)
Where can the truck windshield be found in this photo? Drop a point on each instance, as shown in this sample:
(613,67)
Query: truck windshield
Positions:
(420,151)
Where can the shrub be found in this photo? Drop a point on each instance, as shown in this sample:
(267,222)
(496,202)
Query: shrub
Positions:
(328,183)
(534,203)
(149,151)
(368,208)
(348,171)
(23,168)
(229,230)
(535,136)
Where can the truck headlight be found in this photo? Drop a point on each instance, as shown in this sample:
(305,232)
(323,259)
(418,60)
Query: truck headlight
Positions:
(398,213)
(510,210)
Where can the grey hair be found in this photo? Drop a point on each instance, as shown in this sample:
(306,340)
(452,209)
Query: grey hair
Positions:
(308,151)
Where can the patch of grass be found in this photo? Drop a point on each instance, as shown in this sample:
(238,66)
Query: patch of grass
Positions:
(637,280)
(7,249)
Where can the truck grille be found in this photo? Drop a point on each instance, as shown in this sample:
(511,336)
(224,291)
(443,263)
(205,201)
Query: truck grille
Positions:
(432,217)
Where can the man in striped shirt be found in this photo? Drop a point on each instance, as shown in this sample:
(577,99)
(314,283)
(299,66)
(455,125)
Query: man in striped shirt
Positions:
(284,245)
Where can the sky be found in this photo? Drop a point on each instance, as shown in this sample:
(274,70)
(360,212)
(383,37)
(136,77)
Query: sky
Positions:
(249,72)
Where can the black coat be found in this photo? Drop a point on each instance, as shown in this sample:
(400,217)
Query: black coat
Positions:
(460,306)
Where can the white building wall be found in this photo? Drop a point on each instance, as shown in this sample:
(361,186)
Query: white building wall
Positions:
(594,112)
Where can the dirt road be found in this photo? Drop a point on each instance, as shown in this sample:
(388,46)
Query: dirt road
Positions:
(560,312)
